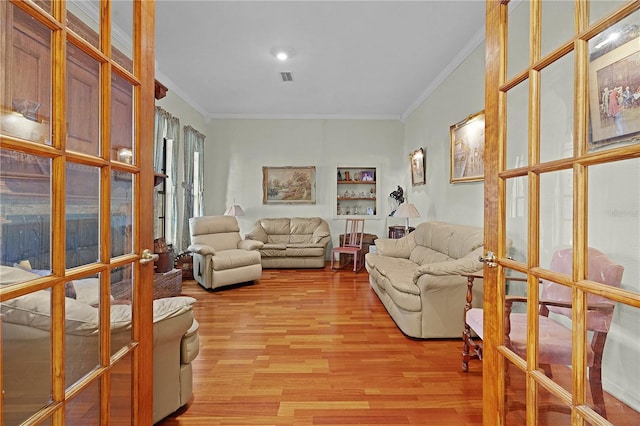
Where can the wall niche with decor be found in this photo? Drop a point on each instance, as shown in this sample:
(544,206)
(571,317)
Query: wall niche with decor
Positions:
(357,191)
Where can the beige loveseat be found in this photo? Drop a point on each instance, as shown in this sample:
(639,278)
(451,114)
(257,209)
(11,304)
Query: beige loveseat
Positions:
(299,242)
(418,277)
(26,345)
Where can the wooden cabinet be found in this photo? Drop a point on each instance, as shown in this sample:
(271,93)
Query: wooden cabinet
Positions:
(357,191)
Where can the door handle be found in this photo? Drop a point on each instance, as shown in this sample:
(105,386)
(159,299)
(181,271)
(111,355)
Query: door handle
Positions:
(148,257)
(489,259)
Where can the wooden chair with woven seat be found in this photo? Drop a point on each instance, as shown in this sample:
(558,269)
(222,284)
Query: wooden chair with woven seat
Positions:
(351,244)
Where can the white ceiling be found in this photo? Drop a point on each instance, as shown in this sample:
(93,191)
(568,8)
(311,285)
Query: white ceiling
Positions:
(353,59)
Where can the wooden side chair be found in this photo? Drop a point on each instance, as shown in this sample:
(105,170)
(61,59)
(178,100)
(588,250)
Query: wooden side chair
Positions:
(351,244)
(555,342)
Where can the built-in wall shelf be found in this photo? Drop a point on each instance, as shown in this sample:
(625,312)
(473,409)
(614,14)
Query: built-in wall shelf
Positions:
(356,191)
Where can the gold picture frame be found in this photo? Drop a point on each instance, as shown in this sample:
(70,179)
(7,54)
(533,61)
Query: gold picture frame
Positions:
(417,167)
(467,149)
(288,185)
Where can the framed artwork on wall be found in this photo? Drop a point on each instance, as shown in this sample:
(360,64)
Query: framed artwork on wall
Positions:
(467,149)
(289,185)
(614,85)
(417,167)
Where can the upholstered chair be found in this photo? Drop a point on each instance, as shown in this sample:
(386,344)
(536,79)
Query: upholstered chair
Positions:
(555,340)
(220,256)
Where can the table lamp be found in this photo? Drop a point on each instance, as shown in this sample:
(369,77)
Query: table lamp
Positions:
(234,210)
(406,210)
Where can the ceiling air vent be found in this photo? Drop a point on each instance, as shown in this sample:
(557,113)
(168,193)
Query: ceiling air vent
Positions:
(286,76)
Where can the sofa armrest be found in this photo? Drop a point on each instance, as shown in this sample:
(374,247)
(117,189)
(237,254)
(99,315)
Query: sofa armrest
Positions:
(321,234)
(257,233)
(394,247)
(201,249)
(464,266)
(250,244)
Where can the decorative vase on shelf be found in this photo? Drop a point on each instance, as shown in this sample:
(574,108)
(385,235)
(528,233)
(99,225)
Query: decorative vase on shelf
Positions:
(339,209)
(347,175)
(339,175)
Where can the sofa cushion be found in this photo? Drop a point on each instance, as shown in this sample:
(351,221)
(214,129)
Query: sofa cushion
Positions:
(235,258)
(304,225)
(434,235)
(273,250)
(424,255)
(304,250)
(464,240)
(13,275)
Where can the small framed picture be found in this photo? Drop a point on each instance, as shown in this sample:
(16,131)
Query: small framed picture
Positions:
(367,175)
(417,167)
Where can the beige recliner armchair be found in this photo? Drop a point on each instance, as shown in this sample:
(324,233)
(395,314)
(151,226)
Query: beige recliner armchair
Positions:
(220,256)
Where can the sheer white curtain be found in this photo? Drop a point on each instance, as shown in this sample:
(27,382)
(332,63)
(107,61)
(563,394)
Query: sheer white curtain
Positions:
(193,184)
(173,133)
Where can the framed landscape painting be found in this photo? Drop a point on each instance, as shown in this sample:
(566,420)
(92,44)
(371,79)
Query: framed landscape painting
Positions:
(289,185)
(467,149)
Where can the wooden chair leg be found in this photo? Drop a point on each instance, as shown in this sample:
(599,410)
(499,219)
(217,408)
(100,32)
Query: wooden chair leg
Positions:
(595,382)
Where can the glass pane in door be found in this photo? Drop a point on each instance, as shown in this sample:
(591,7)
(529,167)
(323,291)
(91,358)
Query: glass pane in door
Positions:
(122,33)
(121,120)
(82,322)
(518,44)
(121,213)
(83,17)
(613,226)
(556,213)
(25,107)
(517,217)
(121,397)
(514,395)
(122,297)
(556,110)
(83,102)
(84,408)
(25,212)
(26,355)
(82,215)
(518,126)
(557,28)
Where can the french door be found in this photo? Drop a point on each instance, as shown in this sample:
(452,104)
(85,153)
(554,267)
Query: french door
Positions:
(76,175)
(563,167)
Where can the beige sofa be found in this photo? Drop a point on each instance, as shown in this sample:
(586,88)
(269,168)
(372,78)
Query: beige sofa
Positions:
(26,344)
(418,277)
(299,242)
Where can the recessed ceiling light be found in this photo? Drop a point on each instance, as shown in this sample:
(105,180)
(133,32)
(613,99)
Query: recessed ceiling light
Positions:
(283,53)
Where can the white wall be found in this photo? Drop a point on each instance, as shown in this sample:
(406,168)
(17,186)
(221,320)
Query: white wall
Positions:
(237,149)
(459,96)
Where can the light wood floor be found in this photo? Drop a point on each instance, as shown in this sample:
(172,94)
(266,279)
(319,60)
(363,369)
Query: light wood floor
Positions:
(311,347)
(317,347)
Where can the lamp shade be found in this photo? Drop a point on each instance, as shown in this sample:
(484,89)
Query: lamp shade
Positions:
(234,210)
(407,210)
